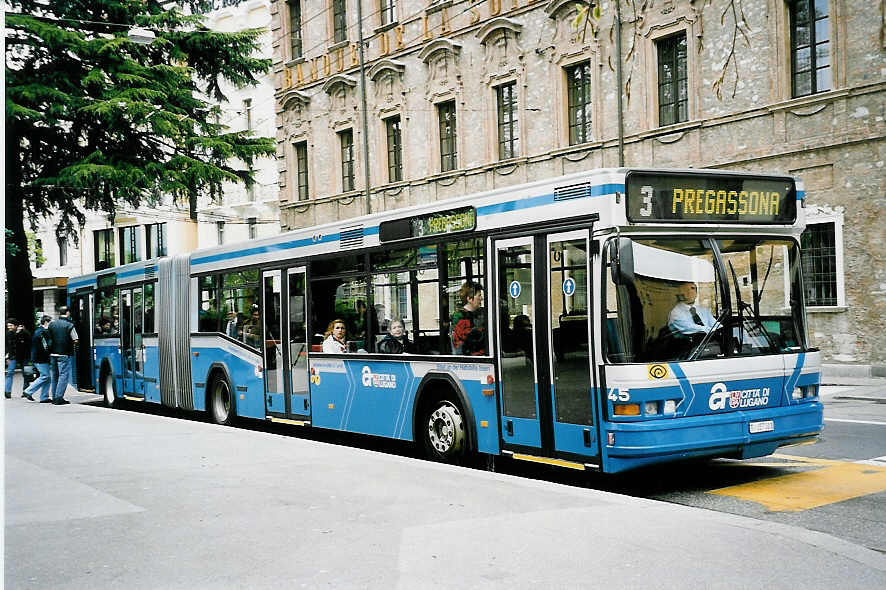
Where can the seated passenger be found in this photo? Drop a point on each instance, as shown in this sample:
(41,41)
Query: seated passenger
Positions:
(252,329)
(467,324)
(688,318)
(336,337)
(395,341)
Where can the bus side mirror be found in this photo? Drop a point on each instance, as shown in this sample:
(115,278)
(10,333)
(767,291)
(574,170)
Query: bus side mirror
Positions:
(621,260)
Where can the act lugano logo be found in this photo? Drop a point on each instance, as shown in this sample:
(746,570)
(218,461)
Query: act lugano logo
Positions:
(737,398)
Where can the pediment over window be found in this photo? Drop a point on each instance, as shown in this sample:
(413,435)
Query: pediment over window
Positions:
(293,98)
(553,7)
(386,65)
(339,79)
(497,25)
(439,45)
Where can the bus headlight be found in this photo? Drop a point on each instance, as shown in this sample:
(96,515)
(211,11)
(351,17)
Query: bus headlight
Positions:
(650,408)
(798,393)
(670,406)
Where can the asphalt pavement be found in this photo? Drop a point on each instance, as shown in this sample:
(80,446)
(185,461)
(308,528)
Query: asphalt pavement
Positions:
(99,498)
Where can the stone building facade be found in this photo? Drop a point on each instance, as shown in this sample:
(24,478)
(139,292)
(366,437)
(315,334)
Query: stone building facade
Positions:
(464,96)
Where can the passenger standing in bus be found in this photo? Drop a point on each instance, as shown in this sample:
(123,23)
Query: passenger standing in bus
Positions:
(468,335)
(336,337)
(688,318)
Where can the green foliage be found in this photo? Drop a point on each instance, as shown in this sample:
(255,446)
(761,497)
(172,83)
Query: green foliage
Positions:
(94,118)
(35,248)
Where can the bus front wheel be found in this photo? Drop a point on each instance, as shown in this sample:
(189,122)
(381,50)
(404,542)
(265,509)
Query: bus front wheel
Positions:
(444,431)
(108,390)
(221,402)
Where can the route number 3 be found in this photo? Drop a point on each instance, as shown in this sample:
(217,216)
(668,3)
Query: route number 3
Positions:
(648,193)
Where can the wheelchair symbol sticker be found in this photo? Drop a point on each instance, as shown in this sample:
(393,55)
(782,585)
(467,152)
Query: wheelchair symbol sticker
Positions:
(569,286)
(514,289)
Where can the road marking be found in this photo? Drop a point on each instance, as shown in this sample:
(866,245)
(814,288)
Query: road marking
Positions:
(835,481)
(855,421)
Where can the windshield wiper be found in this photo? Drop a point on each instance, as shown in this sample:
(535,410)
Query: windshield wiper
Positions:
(707,337)
(742,307)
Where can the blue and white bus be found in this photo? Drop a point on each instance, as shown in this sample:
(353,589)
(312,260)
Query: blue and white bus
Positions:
(602,320)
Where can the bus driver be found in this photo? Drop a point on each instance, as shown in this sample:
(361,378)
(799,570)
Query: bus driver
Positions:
(688,318)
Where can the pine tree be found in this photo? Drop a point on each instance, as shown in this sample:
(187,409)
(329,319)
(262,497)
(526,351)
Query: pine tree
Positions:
(95,120)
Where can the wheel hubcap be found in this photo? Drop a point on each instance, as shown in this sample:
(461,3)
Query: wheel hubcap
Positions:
(446,429)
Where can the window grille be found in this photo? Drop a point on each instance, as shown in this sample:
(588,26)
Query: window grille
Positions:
(820,264)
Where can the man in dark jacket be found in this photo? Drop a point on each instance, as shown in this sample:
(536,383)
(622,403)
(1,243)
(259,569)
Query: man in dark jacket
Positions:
(40,347)
(18,349)
(61,357)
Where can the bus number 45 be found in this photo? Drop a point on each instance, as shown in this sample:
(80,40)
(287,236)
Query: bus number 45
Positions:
(617,395)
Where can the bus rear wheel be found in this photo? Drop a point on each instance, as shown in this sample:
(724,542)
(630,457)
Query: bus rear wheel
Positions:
(221,402)
(108,390)
(444,432)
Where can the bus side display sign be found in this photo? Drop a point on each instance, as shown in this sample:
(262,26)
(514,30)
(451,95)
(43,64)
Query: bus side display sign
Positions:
(715,198)
(441,222)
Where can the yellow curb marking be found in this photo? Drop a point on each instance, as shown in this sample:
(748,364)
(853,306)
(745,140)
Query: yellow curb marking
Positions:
(836,481)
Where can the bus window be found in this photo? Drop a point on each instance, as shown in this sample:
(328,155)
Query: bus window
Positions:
(106,318)
(766,312)
(465,262)
(208,316)
(345,299)
(149,308)
(240,300)
(669,306)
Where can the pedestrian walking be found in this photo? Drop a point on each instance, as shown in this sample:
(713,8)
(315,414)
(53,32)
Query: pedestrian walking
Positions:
(18,350)
(63,340)
(40,349)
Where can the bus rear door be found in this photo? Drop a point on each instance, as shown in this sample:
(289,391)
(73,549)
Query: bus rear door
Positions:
(544,336)
(284,354)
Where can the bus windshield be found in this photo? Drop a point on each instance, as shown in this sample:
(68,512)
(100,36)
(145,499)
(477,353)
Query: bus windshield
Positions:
(686,299)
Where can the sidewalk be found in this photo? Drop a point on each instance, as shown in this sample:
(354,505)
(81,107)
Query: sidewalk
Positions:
(852,382)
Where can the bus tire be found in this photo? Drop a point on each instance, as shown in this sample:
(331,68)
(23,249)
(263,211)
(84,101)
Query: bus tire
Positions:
(220,401)
(109,389)
(444,432)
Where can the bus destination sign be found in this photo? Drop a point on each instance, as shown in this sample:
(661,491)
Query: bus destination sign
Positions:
(432,224)
(714,198)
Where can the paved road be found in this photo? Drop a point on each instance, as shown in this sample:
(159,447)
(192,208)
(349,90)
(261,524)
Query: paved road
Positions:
(97,498)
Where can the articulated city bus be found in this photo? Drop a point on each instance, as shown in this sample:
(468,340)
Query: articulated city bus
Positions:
(602,320)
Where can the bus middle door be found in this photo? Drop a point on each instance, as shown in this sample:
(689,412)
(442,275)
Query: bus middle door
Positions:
(543,301)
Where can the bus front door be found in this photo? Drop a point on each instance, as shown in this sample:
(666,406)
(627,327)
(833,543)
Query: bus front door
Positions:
(81,309)
(543,334)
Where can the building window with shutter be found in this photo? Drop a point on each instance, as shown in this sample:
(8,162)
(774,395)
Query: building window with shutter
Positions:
(346,141)
(301,169)
(103,240)
(822,256)
(339,21)
(508,132)
(810,47)
(395,149)
(295,29)
(673,92)
(448,136)
(578,90)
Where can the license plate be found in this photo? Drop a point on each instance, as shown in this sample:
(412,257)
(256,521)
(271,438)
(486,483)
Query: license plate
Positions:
(761,426)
